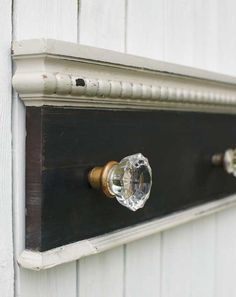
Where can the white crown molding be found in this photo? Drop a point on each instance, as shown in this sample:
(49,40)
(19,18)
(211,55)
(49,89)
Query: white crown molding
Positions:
(50,72)
(43,260)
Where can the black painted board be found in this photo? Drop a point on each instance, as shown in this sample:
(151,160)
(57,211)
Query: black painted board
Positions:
(63,144)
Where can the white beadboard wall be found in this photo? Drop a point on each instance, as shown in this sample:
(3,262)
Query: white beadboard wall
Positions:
(195,259)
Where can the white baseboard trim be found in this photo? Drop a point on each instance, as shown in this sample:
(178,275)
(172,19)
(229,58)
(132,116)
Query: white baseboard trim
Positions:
(71,252)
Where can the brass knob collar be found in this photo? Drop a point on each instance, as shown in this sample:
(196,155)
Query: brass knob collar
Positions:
(99,178)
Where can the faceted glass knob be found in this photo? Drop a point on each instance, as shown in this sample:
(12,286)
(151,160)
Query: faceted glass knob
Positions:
(227,160)
(129,181)
(230,161)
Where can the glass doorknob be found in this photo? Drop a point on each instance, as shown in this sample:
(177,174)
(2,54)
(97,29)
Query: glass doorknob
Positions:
(129,181)
(228,160)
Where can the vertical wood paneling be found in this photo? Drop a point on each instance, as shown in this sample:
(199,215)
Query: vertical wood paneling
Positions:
(143,267)
(225,253)
(37,19)
(145,28)
(102,275)
(6,247)
(102,23)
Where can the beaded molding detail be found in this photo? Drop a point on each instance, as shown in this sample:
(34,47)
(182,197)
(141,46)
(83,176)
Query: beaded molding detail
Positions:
(80,86)
(71,87)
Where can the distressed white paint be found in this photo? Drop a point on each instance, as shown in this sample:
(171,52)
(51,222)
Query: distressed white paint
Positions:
(6,246)
(196,33)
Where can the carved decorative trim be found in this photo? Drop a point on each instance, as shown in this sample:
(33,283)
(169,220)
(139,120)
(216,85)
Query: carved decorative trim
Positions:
(76,86)
(59,73)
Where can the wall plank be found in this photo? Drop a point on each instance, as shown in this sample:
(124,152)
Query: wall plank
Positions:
(59,282)
(38,19)
(102,275)
(188,259)
(143,267)
(206,34)
(102,23)
(225,259)
(179,32)
(227,41)
(145,38)
(176,262)
(203,257)
(6,246)
(45,19)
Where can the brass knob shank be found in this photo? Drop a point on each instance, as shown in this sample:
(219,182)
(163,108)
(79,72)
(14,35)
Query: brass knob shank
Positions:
(218,159)
(98,178)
